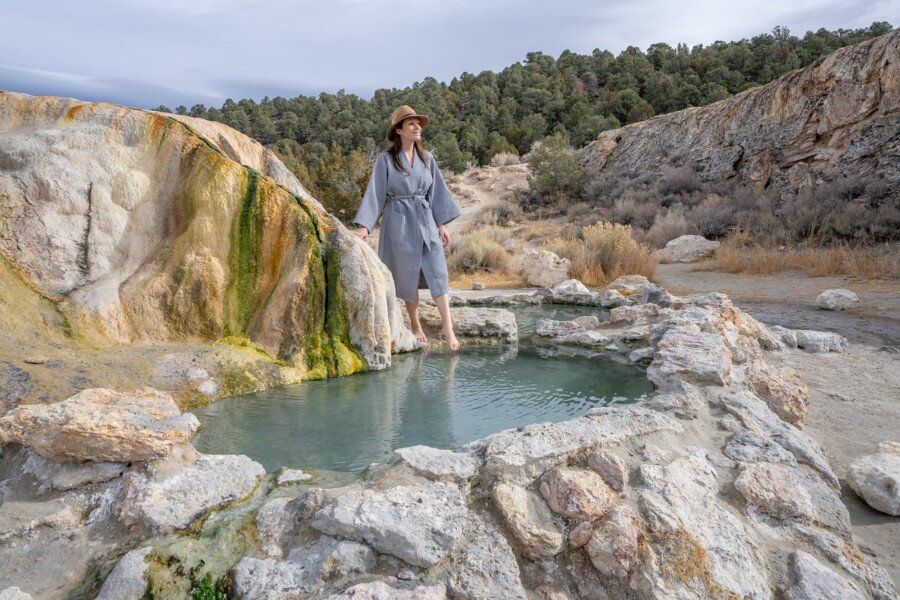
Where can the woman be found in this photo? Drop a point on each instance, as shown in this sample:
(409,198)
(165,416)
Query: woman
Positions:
(408,188)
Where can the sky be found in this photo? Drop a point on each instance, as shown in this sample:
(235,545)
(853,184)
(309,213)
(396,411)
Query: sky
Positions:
(149,52)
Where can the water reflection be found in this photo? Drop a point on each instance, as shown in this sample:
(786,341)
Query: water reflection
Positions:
(437,398)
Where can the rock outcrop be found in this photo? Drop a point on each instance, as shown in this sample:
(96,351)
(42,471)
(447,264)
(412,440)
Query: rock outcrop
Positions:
(837,117)
(686,249)
(141,226)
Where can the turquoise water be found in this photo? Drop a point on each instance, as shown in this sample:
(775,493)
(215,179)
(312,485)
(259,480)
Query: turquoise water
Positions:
(437,398)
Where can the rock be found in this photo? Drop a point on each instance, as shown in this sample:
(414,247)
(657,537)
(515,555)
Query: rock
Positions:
(486,568)
(291,476)
(837,300)
(770,146)
(655,294)
(686,249)
(378,590)
(274,520)
(520,456)
(612,299)
(419,524)
(811,580)
(755,415)
(686,521)
(746,446)
(101,425)
(613,547)
(134,268)
(580,534)
(786,336)
(14,593)
(784,492)
(820,341)
(126,580)
(544,268)
(610,467)
(694,356)
(876,478)
(15,385)
(551,328)
(572,291)
(576,493)
(529,519)
(639,314)
(309,567)
(588,321)
(35,360)
(173,497)
(439,464)
(629,285)
(477,322)
(642,355)
(781,388)
(477,285)
(62,476)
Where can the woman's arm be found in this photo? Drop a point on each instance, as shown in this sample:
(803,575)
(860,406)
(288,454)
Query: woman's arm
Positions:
(443,207)
(372,203)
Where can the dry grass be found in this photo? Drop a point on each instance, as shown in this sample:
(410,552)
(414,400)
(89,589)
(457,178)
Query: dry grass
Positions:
(499,212)
(490,280)
(668,226)
(477,251)
(870,262)
(503,159)
(603,252)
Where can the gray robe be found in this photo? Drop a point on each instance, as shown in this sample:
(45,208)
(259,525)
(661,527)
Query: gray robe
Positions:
(414,204)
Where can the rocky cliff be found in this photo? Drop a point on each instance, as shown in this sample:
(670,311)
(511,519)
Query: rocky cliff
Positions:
(135,226)
(839,116)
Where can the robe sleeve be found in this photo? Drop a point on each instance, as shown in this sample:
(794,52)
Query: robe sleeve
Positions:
(373,199)
(443,207)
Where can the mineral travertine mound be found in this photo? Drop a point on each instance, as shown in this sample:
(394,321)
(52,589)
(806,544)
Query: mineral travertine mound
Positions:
(143,226)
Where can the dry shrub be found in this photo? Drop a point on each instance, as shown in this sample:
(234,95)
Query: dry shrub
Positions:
(632,209)
(668,226)
(477,251)
(500,212)
(503,159)
(681,180)
(603,252)
(579,211)
(739,255)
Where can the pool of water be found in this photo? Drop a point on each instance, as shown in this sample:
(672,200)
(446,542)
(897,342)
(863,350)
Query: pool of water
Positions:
(437,398)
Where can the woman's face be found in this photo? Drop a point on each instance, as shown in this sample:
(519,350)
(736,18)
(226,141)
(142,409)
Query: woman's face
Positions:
(410,130)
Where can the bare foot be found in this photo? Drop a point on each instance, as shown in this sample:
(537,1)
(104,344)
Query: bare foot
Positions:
(452,342)
(420,335)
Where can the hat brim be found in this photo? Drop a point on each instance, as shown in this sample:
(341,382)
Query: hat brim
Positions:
(423,121)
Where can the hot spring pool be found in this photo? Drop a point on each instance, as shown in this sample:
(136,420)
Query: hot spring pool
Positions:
(437,398)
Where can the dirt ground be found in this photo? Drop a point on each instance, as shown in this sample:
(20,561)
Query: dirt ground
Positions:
(854,397)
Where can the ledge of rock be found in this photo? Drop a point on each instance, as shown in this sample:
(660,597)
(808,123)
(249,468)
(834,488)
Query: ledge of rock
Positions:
(101,425)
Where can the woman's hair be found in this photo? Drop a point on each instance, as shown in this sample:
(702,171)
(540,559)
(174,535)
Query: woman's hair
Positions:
(396,148)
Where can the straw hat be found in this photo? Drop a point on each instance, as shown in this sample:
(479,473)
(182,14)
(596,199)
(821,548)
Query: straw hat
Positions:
(401,113)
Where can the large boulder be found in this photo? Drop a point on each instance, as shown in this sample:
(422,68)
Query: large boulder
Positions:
(782,388)
(692,355)
(543,268)
(156,227)
(529,518)
(686,249)
(419,524)
(876,478)
(172,496)
(837,300)
(101,425)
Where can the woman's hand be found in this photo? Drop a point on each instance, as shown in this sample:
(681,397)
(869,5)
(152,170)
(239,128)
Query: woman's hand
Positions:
(362,232)
(445,236)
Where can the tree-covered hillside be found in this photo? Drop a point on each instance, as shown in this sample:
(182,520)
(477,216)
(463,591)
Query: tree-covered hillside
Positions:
(329,140)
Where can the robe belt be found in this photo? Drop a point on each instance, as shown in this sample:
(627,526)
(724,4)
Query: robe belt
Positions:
(428,232)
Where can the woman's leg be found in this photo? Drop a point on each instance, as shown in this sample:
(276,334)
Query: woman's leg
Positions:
(443,304)
(413,309)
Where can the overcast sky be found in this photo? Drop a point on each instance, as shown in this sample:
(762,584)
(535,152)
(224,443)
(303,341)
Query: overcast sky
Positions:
(150,52)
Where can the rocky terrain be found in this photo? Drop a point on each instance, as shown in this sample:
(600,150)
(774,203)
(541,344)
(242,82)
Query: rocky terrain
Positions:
(708,489)
(123,230)
(834,118)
